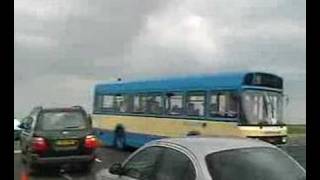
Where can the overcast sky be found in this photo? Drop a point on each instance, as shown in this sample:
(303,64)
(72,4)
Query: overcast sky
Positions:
(62,48)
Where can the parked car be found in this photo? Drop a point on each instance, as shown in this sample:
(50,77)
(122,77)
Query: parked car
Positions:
(17,130)
(199,158)
(56,137)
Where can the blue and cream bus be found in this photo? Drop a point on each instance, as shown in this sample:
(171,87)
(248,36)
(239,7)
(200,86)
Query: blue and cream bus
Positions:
(248,104)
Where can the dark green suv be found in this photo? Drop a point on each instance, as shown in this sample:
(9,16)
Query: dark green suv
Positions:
(57,137)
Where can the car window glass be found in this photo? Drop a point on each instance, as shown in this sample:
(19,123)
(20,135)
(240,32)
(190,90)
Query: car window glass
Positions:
(139,104)
(223,104)
(142,165)
(174,104)
(154,104)
(252,164)
(28,124)
(124,104)
(195,104)
(62,120)
(174,165)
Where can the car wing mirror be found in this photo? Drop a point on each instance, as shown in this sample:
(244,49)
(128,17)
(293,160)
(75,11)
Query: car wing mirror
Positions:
(25,126)
(22,126)
(116,169)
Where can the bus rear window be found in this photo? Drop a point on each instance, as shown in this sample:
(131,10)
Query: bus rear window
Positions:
(62,120)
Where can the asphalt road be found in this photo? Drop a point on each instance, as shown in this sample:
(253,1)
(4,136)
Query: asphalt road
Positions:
(296,147)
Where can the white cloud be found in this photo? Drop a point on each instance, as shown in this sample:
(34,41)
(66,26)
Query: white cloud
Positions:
(179,30)
(191,28)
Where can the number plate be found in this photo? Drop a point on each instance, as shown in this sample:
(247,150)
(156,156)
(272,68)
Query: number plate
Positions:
(66,142)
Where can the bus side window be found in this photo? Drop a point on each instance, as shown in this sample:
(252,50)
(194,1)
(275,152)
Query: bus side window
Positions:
(107,103)
(213,105)
(123,104)
(154,104)
(223,105)
(139,104)
(174,104)
(195,104)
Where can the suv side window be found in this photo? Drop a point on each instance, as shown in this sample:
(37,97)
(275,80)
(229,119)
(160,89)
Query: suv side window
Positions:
(28,123)
(142,165)
(175,165)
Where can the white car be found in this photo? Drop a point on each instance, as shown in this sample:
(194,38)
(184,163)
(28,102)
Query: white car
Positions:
(198,158)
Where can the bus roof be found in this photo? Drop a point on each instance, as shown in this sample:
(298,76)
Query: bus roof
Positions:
(187,83)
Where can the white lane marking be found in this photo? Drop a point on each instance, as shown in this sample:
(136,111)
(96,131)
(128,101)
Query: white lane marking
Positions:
(98,160)
(66,176)
(17,151)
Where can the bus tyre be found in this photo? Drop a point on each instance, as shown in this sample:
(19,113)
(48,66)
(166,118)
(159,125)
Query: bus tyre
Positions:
(119,141)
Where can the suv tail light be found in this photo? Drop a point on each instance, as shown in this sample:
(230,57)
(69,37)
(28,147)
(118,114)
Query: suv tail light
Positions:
(39,145)
(90,142)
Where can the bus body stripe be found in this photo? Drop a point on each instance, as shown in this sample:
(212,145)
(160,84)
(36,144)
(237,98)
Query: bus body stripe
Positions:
(165,127)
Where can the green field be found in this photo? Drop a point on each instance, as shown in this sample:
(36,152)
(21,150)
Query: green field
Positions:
(296,129)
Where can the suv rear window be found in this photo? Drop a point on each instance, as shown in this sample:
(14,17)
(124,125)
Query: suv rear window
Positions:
(57,120)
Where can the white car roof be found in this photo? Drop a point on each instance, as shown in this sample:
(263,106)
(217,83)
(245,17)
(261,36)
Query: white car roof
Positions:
(206,145)
(200,147)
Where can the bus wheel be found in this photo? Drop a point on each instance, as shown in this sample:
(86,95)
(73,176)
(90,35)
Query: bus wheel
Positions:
(120,143)
(119,140)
